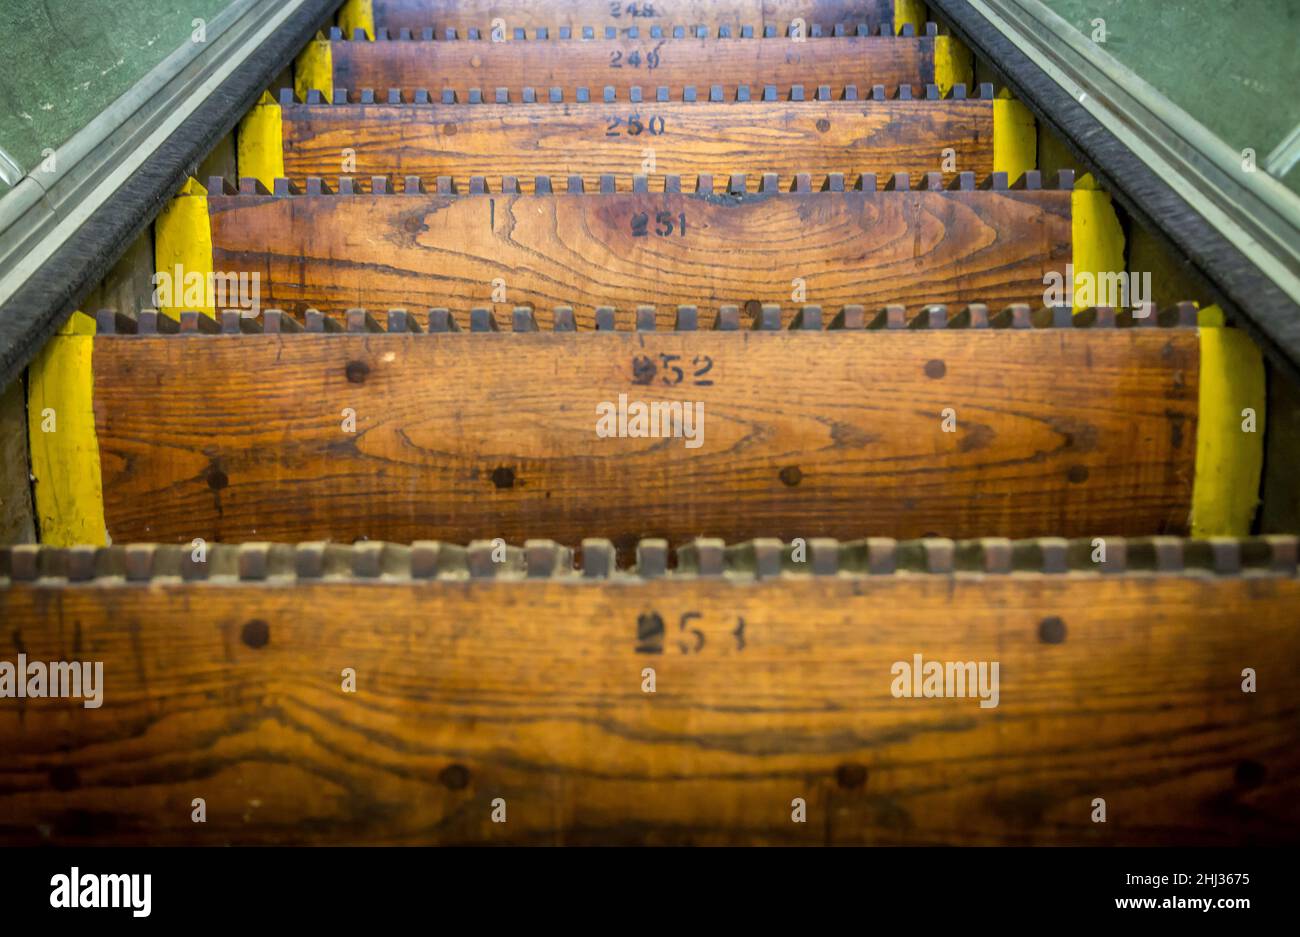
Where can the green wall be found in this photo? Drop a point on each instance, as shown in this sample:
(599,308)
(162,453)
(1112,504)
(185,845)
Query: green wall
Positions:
(64,61)
(1231,64)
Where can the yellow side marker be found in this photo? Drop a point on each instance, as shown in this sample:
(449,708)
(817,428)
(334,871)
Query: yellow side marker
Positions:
(1098,241)
(953,64)
(61,434)
(909,11)
(1230,430)
(1015,137)
(357,14)
(260,142)
(314,70)
(183,253)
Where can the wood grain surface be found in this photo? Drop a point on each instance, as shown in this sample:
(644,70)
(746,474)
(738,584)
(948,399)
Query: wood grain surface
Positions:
(334,252)
(1070,432)
(1126,688)
(687,139)
(463,15)
(625,63)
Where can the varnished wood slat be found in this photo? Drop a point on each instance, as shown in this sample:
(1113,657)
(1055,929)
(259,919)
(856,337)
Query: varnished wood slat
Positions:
(525,141)
(464,15)
(1125,688)
(585,251)
(671,63)
(1068,432)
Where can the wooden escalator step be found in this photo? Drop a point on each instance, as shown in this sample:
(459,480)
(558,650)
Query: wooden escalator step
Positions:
(390,693)
(538,132)
(1014,424)
(476,68)
(715,15)
(740,240)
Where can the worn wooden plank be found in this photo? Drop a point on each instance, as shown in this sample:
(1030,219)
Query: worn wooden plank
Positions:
(1279,495)
(585,251)
(720,139)
(1070,432)
(17,517)
(625,63)
(464,15)
(1121,687)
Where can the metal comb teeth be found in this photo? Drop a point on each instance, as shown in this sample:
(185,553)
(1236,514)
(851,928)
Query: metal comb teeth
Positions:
(766,317)
(595,559)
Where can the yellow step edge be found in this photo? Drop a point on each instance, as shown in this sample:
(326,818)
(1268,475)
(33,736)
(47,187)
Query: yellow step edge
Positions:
(260,142)
(1097,238)
(1015,137)
(953,64)
(357,14)
(909,11)
(314,70)
(1229,443)
(183,254)
(61,435)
